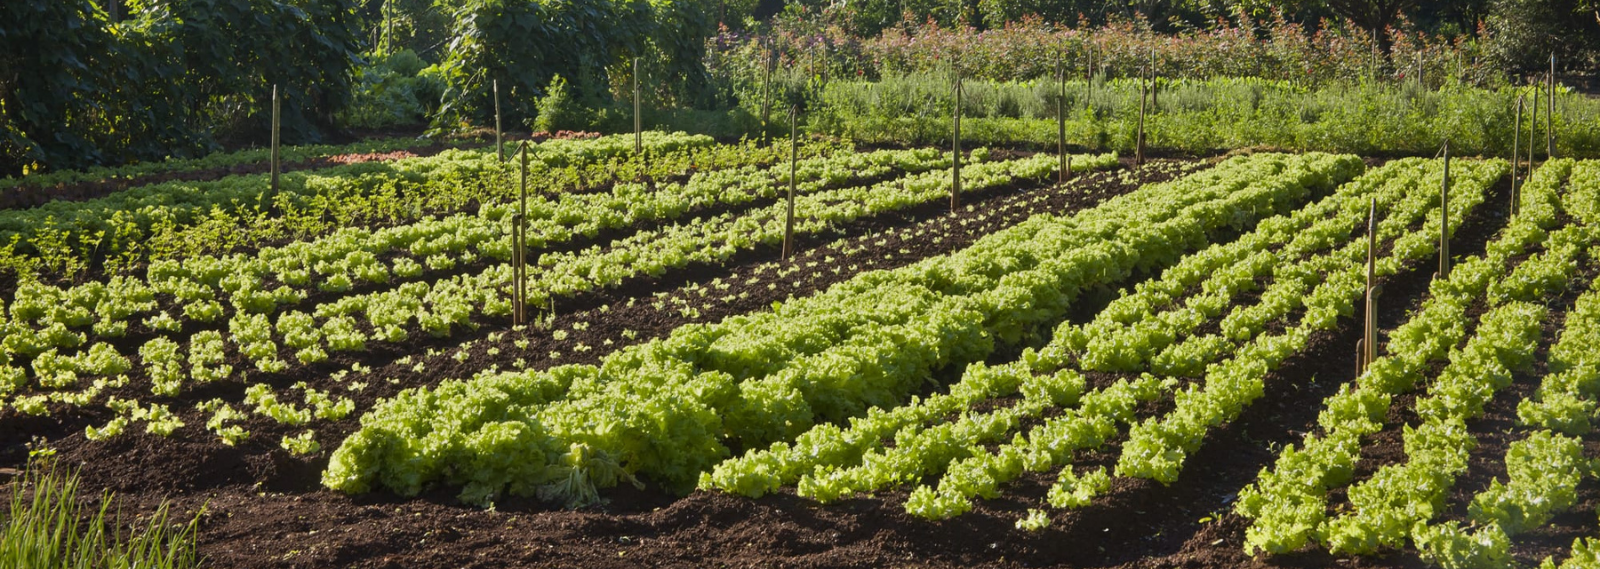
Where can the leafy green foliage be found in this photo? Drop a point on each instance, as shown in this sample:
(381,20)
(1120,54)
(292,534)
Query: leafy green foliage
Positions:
(396,89)
(81,91)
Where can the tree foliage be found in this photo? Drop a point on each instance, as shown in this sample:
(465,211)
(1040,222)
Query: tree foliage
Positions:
(78,90)
(524,44)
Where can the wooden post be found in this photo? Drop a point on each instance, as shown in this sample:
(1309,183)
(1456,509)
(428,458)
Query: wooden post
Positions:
(1533,127)
(276,107)
(111,6)
(1061,117)
(1550,112)
(1369,337)
(1138,156)
(519,253)
(766,90)
(638,126)
(1088,99)
(794,159)
(1516,153)
(1154,104)
(1444,217)
(955,150)
(499,143)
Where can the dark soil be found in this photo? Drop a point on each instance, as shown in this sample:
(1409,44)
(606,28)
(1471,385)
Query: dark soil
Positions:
(264,508)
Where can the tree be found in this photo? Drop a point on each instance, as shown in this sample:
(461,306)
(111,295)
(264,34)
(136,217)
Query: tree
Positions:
(1373,15)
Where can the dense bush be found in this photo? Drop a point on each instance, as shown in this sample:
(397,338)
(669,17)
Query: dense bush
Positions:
(393,90)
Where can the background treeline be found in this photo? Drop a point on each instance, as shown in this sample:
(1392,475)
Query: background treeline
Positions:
(95,82)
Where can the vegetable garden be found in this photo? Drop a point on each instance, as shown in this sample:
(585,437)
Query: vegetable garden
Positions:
(1252,359)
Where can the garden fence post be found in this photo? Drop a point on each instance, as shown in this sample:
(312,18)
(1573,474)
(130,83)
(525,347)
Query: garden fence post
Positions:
(276,107)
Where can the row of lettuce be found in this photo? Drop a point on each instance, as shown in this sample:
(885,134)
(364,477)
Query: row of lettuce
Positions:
(819,389)
(173,220)
(1483,323)
(669,410)
(60,350)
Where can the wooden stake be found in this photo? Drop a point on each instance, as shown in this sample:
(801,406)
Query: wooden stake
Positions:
(794,159)
(276,107)
(1061,118)
(499,144)
(1088,99)
(955,149)
(519,270)
(1550,112)
(638,126)
(1371,320)
(766,91)
(1516,153)
(1361,356)
(1138,156)
(1153,91)
(1533,127)
(1444,217)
